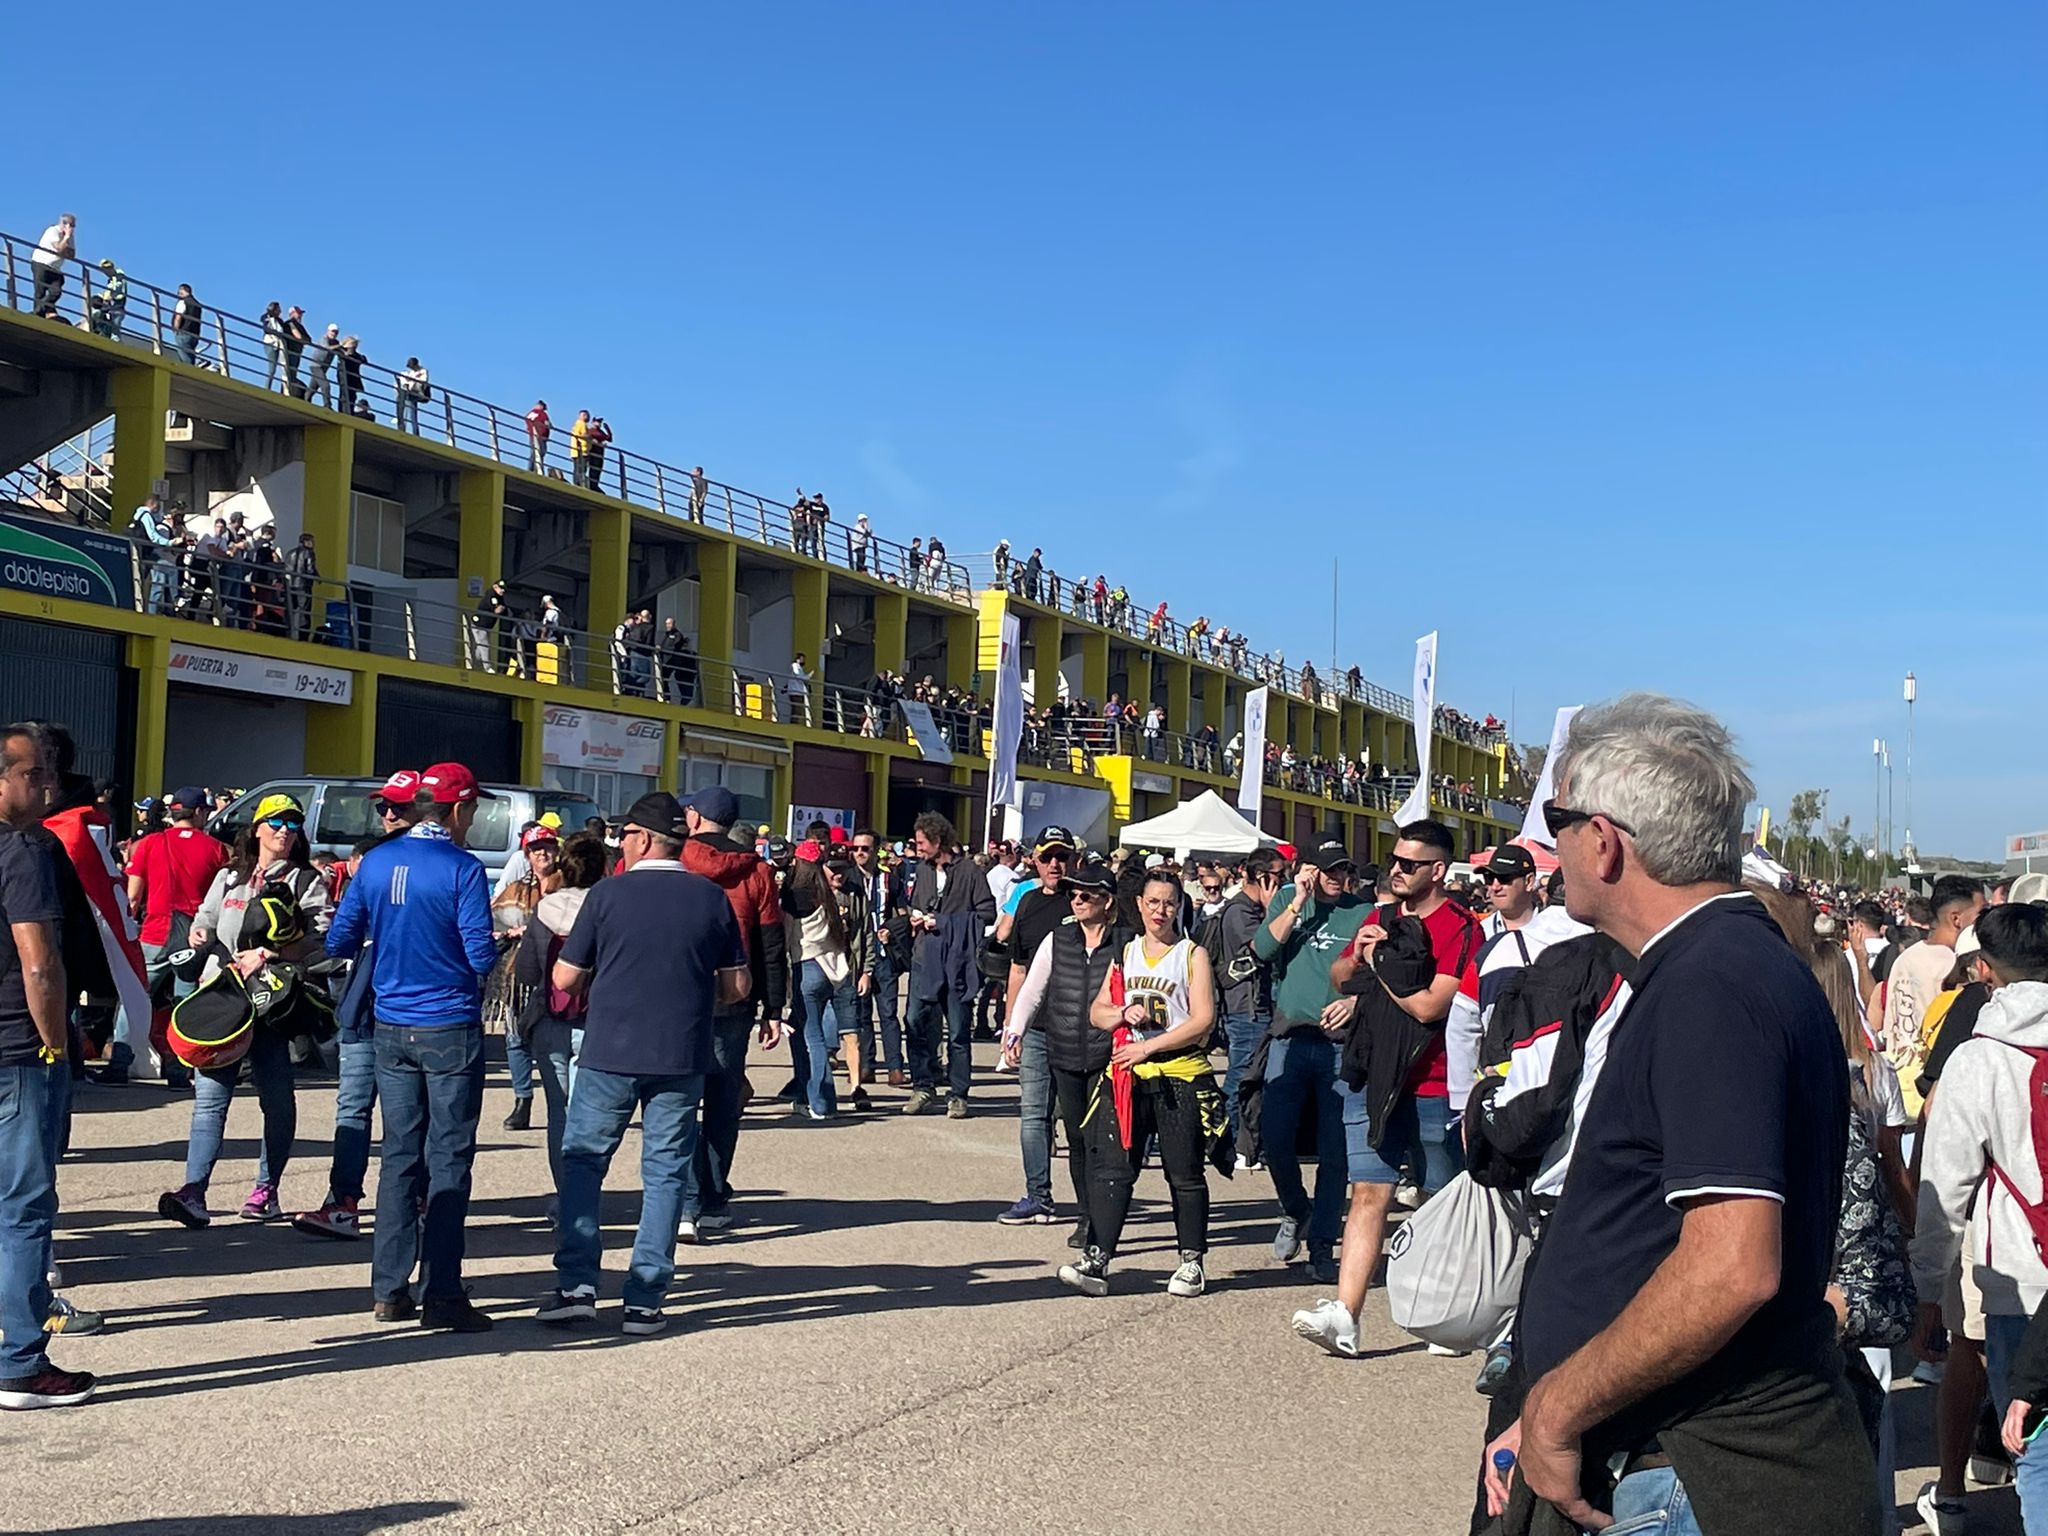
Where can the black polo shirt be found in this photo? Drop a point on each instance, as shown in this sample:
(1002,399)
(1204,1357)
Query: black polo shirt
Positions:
(1038,913)
(1726,1074)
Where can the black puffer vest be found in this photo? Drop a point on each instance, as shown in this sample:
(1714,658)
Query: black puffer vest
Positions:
(1072,1044)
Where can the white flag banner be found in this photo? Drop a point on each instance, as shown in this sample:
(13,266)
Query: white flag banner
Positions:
(1251,772)
(1533,829)
(1416,806)
(1007,726)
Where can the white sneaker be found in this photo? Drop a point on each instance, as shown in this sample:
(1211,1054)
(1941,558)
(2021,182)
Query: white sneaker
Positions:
(1407,1196)
(1329,1325)
(1188,1280)
(1447,1352)
(686,1230)
(1944,1516)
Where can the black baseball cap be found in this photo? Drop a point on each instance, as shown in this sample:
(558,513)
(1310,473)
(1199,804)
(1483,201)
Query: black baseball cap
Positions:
(1331,856)
(1510,862)
(1052,837)
(657,812)
(1091,872)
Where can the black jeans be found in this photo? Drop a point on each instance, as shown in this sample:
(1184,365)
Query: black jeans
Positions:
(723,1085)
(1070,1094)
(942,1026)
(1166,1107)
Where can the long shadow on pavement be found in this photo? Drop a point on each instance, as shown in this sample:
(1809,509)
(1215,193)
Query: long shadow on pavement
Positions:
(353,1522)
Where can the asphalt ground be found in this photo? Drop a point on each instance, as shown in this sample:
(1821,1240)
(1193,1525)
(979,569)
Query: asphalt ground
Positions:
(866,1351)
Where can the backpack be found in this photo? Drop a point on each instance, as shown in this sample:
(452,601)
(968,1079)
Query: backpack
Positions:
(2037,1089)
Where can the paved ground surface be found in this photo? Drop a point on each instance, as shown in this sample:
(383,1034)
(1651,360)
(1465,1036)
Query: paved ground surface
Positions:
(869,1351)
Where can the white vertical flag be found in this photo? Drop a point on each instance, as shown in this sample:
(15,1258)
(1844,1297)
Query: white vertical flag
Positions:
(1251,773)
(1416,806)
(1007,726)
(1533,829)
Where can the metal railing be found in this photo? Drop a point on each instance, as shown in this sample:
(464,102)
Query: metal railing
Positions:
(323,371)
(72,481)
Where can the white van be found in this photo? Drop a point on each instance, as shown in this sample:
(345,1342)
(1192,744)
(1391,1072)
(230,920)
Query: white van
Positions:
(339,815)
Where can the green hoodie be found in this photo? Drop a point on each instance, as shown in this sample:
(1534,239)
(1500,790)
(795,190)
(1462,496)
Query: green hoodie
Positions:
(1301,966)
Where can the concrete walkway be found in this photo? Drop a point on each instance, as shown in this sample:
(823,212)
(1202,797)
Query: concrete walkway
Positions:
(868,1351)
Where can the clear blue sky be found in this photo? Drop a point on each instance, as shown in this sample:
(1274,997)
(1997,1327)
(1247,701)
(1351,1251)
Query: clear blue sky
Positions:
(1693,348)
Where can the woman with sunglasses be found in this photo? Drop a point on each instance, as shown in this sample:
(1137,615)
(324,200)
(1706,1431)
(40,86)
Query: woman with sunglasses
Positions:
(271,853)
(1158,1005)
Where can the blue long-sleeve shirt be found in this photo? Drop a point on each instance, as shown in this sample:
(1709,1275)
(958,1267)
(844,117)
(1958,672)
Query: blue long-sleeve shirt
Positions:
(425,906)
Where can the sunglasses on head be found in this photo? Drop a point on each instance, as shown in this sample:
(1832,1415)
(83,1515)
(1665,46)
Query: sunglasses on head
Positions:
(1557,817)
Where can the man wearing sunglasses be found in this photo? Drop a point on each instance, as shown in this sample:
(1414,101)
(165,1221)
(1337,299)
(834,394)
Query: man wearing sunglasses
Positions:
(1035,908)
(1416,1136)
(1510,877)
(1676,1324)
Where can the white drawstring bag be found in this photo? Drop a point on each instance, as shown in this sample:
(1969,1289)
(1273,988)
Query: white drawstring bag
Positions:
(1454,1268)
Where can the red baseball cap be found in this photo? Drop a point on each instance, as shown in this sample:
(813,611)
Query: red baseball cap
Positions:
(400,788)
(451,784)
(839,835)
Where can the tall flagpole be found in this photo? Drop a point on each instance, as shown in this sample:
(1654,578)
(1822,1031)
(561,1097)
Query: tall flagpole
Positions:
(1333,621)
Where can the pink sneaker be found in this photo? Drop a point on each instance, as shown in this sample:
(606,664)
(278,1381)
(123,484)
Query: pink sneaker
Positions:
(262,1204)
(186,1206)
(337,1218)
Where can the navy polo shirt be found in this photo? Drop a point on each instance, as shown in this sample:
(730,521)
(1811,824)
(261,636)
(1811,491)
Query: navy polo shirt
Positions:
(654,939)
(1726,1075)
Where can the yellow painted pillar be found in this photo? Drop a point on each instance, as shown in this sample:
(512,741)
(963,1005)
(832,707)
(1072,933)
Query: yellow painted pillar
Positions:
(610,527)
(892,631)
(150,656)
(717,574)
(808,629)
(531,712)
(1094,666)
(1116,773)
(962,648)
(1214,685)
(878,792)
(1179,693)
(141,397)
(480,558)
(1048,635)
(342,739)
(329,451)
(1138,678)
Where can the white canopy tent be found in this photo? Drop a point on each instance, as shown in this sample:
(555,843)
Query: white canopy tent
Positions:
(1206,824)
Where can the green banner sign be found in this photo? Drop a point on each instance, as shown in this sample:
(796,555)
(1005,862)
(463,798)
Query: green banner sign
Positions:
(58,560)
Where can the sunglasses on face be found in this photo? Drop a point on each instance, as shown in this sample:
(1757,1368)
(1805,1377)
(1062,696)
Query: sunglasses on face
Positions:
(283,823)
(1502,879)
(1085,894)
(1410,866)
(388,812)
(1557,817)
(863,847)
(1055,856)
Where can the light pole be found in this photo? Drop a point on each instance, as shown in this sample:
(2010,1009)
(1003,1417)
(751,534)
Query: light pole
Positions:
(1877,812)
(1891,803)
(1912,691)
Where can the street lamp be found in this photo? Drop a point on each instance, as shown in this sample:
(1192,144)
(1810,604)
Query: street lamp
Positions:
(1912,692)
(1877,810)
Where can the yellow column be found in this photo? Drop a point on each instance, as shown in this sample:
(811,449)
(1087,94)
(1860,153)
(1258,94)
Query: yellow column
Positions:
(1138,678)
(1048,635)
(480,559)
(1213,695)
(1094,666)
(1179,692)
(808,628)
(141,396)
(717,573)
(329,451)
(342,739)
(531,713)
(962,657)
(150,656)
(892,632)
(878,791)
(1115,772)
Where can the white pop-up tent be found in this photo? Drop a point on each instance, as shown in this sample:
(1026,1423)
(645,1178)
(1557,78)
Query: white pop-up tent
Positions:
(1206,824)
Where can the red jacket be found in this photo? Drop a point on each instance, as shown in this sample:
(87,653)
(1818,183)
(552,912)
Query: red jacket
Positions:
(749,884)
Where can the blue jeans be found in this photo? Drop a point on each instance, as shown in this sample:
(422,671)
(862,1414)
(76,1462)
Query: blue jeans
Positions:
(1243,1031)
(1417,1141)
(1653,1503)
(556,1045)
(723,1085)
(354,1097)
(519,1063)
(2002,1336)
(880,1004)
(955,1010)
(431,1082)
(599,1112)
(1036,1106)
(30,1111)
(828,1008)
(270,1063)
(1302,1069)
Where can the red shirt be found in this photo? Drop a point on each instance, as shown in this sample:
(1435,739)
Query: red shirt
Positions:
(176,865)
(1454,940)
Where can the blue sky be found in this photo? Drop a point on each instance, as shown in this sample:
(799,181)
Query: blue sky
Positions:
(1693,348)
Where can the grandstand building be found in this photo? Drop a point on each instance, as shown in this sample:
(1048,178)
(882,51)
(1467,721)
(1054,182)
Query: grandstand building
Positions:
(391,656)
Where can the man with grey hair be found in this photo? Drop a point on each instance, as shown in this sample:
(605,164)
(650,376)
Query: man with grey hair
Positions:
(1674,1323)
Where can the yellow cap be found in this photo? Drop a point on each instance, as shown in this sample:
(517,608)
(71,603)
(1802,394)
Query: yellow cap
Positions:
(279,805)
(552,820)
